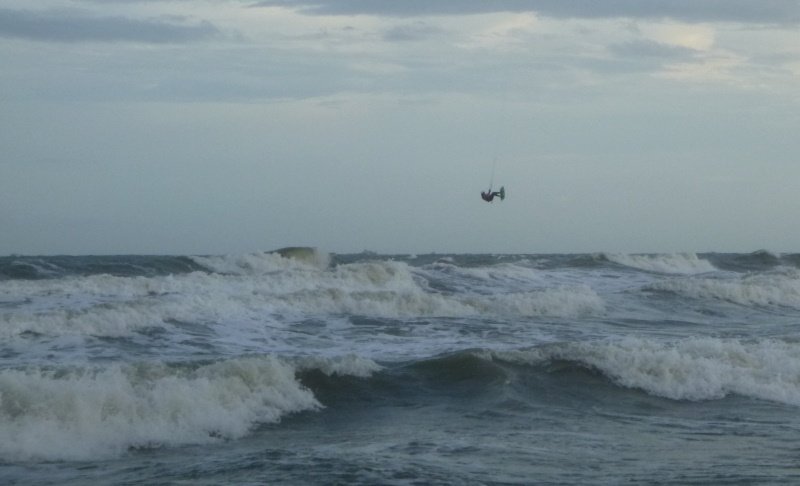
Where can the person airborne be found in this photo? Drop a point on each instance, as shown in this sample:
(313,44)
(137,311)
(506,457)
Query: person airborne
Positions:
(488,196)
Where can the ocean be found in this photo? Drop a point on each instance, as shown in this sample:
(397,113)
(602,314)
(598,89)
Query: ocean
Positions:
(302,367)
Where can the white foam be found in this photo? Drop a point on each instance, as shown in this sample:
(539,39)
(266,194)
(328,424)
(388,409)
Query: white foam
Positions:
(574,301)
(689,369)
(99,321)
(780,288)
(492,273)
(41,267)
(85,413)
(348,365)
(414,302)
(391,289)
(102,305)
(262,263)
(675,263)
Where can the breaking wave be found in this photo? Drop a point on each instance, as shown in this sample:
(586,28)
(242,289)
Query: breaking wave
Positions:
(777,288)
(689,369)
(49,267)
(105,305)
(261,263)
(90,412)
(675,263)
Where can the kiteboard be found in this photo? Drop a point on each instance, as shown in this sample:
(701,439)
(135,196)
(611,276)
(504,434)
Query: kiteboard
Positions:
(502,192)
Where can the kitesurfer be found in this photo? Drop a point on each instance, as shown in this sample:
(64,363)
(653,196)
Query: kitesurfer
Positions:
(489,195)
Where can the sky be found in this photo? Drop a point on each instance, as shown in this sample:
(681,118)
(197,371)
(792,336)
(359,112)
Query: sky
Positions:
(233,126)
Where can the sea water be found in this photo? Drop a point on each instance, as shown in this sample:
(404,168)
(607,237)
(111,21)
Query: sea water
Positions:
(301,367)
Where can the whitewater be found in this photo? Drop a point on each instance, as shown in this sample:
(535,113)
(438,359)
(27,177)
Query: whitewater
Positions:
(303,367)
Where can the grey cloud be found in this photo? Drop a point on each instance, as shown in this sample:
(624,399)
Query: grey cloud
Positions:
(411,32)
(81,26)
(651,49)
(764,11)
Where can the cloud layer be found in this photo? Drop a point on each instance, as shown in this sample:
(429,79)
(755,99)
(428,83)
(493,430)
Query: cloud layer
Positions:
(69,25)
(224,126)
(766,11)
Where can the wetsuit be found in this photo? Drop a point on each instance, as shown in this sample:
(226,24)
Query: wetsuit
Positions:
(489,195)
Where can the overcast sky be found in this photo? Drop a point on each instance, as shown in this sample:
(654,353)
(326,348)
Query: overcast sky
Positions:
(227,126)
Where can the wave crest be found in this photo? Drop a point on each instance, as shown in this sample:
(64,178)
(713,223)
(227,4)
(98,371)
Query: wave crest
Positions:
(780,288)
(82,413)
(674,263)
(349,365)
(690,369)
(261,263)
